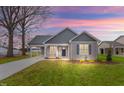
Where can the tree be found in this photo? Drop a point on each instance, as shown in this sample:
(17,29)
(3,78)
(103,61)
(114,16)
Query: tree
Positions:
(109,54)
(32,16)
(8,20)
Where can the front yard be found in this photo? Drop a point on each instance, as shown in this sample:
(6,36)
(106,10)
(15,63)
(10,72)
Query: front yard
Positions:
(49,73)
(15,58)
(102,58)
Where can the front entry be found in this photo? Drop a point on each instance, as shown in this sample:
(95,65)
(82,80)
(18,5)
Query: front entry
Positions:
(63,52)
(53,52)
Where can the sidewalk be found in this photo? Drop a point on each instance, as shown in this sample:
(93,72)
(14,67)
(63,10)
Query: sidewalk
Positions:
(11,68)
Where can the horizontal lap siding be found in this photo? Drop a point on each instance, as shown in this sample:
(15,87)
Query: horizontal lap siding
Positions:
(92,56)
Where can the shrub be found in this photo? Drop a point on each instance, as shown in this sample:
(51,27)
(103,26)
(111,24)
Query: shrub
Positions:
(109,55)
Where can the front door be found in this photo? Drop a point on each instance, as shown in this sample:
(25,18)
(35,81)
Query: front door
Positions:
(63,52)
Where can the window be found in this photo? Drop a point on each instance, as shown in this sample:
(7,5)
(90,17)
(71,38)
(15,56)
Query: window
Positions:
(52,50)
(84,49)
(122,50)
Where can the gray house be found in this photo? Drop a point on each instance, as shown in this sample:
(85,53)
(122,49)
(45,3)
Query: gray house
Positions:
(120,39)
(67,45)
(117,48)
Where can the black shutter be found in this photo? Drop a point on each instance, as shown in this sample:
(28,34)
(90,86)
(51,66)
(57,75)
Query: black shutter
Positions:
(90,49)
(77,49)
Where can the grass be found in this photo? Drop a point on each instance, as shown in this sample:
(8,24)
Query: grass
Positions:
(15,58)
(10,59)
(55,73)
(114,58)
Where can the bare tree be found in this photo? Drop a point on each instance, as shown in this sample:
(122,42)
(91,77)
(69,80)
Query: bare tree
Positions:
(32,15)
(8,20)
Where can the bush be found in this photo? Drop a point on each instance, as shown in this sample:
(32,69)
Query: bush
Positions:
(109,55)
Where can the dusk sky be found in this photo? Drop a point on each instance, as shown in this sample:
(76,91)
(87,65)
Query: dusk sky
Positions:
(106,23)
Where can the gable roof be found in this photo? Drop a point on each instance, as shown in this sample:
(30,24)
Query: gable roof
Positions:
(62,37)
(85,36)
(114,43)
(39,39)
(119,37)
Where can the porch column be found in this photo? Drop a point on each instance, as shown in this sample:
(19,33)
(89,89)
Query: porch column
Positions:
(38,51)
(45,51)
(71,51)
(113,50)
(104,51)
(68,51)
(57,51)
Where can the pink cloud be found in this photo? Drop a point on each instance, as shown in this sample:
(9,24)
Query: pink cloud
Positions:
(90,9)
(116,23)
(104,24)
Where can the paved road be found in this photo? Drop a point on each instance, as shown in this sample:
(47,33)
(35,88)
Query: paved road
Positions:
(11,68)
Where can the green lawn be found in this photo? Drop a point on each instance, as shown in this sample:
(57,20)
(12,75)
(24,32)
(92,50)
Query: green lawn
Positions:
(10,59)
(114,58)
(15,58)
(49,73)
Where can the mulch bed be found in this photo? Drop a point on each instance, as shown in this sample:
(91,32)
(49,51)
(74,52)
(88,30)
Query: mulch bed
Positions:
(78,62)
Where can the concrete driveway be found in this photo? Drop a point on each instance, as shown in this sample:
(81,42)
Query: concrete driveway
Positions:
(11,68)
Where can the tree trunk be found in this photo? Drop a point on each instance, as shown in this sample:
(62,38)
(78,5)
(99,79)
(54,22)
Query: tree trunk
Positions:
(23,43)
(10,44)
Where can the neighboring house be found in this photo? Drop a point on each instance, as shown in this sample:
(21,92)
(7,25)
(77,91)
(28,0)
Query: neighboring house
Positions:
(3,51)
(67,45)
(120,39)
(117,47)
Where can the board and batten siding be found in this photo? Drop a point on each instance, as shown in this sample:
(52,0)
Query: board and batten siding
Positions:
(94,51)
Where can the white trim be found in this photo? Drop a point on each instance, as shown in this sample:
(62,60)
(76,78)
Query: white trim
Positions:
(81,49)
(68,51)
(73,38)
(58,44)
(88,42)
(118,46)
(45,51)
(37,45)
(71,51)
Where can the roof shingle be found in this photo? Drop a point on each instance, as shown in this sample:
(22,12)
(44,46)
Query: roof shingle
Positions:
(39,39)
(62,37)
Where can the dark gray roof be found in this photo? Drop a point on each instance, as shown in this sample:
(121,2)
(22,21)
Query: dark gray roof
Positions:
(85,37)
(39,39)
(112,43)
(62,37)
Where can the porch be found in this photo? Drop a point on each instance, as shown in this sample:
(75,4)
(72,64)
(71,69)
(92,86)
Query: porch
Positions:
(119,51)
(115,51)
(57,51)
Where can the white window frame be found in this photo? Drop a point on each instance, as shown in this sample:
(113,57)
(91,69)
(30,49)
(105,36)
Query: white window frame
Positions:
(84,49)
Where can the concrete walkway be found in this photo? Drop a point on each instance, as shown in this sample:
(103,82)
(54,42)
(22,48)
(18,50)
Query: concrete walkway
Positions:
(11,68)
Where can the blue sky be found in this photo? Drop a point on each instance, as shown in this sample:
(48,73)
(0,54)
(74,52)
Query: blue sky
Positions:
(104,22)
